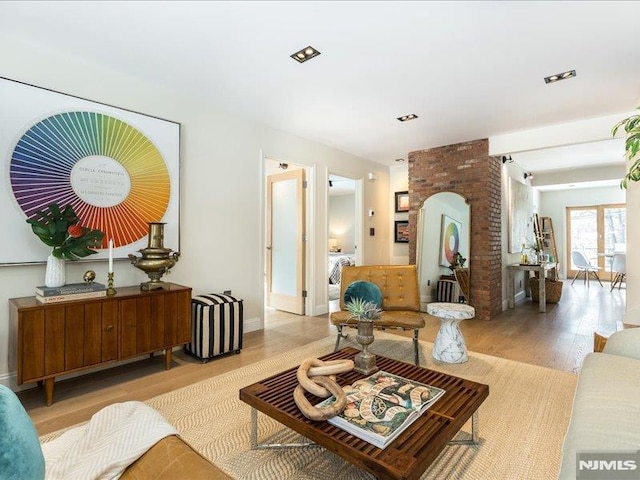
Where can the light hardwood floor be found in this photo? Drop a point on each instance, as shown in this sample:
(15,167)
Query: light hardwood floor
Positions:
(559,339)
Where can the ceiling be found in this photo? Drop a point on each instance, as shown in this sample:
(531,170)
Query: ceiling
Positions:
(606,152)
(469,70)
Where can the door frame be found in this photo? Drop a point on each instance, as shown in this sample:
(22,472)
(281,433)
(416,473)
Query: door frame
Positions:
(358,224)
(358,214)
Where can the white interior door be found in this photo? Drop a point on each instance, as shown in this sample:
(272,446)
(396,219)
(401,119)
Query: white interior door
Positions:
(286,241)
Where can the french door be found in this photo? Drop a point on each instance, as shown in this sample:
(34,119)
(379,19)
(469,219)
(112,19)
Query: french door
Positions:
(597,231)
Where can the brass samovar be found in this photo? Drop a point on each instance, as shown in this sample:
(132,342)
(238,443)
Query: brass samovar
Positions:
(155,260)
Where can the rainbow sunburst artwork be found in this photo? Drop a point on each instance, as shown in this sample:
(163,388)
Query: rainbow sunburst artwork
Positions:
(113,176)
(118,169)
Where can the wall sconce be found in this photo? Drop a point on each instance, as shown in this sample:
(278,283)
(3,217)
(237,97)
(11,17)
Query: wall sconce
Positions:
(528,175)
(507,158)
(283,166)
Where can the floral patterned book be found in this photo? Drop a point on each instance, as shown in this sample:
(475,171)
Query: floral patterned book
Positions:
(382,406)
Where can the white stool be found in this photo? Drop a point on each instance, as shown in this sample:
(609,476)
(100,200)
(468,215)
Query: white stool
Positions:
(449,346)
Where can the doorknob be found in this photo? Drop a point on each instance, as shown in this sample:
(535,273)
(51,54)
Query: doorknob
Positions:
(268,247)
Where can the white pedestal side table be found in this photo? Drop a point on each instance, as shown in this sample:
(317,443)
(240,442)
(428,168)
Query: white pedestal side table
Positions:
(449,346)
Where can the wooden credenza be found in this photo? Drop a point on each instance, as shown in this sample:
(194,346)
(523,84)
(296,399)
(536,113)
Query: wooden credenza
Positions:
(63,337)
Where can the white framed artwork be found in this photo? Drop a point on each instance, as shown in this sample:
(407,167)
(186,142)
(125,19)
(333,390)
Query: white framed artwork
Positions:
(519,215)
(118,169)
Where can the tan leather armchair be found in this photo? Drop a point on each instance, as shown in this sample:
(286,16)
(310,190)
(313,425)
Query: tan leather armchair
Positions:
(172,458)
(400,299)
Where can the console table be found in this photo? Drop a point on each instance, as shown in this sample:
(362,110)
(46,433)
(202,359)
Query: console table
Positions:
(542,270)
(64,337)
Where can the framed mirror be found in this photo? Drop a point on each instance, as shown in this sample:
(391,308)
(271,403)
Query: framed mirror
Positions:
(443,228)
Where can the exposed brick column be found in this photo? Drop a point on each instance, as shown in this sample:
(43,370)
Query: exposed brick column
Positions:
(468,170)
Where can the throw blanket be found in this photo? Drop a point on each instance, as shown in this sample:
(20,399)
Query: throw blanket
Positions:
(103,448)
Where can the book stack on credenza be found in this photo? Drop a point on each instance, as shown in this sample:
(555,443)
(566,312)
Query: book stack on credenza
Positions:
(72,291)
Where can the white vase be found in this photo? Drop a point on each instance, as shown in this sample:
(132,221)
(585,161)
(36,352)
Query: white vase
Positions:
(55,275)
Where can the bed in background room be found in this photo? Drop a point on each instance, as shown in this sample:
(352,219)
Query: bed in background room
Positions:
(336,262)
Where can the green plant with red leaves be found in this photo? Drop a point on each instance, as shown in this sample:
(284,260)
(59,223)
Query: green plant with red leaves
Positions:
(61,229)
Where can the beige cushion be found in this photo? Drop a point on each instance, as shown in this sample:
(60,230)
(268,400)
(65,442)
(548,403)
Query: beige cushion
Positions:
(625,342)
(606,409)
(169,459)
(392,319)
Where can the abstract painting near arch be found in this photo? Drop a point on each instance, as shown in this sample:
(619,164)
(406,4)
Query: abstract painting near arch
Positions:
(118,169)
(449,240)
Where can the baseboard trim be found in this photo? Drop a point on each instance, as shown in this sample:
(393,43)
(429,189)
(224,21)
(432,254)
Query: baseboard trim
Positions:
(321,309)
(252,324)
(632,315)
(519,296)
(10,380)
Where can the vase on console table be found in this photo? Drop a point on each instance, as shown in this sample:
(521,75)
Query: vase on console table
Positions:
(155,260)
(56,273)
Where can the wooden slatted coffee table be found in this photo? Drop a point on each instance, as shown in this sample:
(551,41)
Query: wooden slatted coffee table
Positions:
(409,455)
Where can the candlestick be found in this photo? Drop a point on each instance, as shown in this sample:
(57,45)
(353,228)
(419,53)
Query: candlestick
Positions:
(110,290)
(111,255)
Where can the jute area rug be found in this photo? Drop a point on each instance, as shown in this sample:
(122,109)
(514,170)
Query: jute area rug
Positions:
(522,423)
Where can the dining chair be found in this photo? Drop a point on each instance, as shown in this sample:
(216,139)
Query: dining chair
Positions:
(619,267)
(584,267)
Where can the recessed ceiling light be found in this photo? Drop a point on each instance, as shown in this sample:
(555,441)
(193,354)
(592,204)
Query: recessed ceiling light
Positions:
(305,54)
(560,76)
(405,118)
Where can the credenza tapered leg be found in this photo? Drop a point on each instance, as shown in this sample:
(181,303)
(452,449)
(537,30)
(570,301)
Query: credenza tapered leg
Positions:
(167,358)
(48,389)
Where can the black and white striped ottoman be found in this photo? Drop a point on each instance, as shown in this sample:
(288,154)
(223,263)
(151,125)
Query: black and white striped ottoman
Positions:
(216,321)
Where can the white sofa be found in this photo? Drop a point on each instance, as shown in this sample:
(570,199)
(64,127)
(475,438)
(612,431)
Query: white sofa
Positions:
(606,406)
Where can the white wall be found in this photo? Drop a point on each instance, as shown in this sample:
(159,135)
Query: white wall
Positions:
(399,182)
(342,210)
(554,203)
(222,168)
(632,316)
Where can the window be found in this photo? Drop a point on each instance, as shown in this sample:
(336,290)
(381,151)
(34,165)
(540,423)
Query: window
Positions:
(597,231)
